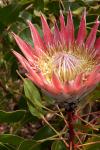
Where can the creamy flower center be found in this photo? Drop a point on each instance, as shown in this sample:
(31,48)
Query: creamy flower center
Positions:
(67,65)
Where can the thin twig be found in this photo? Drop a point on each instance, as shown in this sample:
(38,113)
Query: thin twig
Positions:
(87,123)
(79,139)
(88,143)
(59,135)
(54,137)
(62,116)
(88,134)
(97,112)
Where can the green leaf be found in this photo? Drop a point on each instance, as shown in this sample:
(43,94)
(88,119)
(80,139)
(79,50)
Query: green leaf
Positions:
(3,147)
(11,117)
(34,111)
(58,145)
(13,140)
(48,100)
(29,145)
(9,13)
(44,133)
(34,99)
(32,93)
(10,147)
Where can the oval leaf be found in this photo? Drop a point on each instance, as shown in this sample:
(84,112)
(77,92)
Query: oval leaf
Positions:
(11,117)
(10,139)
(29,145)
(58,145)
(32,93)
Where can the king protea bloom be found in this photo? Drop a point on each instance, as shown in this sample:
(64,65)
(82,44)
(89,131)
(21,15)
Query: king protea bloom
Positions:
(62,66)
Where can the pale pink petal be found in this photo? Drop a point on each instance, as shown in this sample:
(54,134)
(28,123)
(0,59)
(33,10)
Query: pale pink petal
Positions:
(68,88)
(48,37)
(92,78)
(97,80)
(27,50)
(62,22)
(96,55)
(70,28)
(38,43)
(41,76)
(56,34)
(92,36)
(21,59)
(78,81)
(82,30)
(50,88)
(62,28)
(33,80)
(97,44)
(56,82)
(96,51)
(34,75)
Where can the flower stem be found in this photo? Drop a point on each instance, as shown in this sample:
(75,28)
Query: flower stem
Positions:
(71,131)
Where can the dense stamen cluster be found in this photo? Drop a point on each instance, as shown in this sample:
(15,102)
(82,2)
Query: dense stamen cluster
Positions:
(67,64)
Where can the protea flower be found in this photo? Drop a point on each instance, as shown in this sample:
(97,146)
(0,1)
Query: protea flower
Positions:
(62,66)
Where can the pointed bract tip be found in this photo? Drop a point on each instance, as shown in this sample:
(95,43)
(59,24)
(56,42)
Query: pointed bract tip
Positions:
(69,8)
(43,18)
(29,22)
(42,15)
(61,12)
(84,12)
(13,51)
(97,20)
(13,34)
(70,13)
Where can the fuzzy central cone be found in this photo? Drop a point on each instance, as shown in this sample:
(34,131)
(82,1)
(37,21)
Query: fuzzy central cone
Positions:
(66,65)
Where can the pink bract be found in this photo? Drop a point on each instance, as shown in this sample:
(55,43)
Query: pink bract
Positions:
(64,67)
